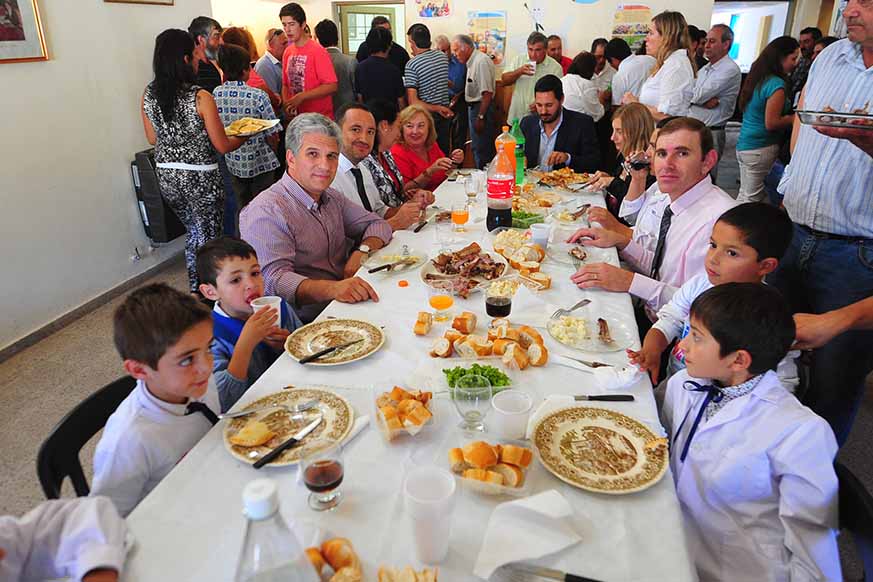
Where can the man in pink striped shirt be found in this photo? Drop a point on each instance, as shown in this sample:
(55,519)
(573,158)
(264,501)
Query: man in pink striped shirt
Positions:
(684,155)
(311,239)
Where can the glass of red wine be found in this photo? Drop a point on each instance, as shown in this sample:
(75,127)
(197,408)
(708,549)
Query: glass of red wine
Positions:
(498,302)
(322,467)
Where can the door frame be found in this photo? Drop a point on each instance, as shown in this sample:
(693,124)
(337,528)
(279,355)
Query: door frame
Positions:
(337,12)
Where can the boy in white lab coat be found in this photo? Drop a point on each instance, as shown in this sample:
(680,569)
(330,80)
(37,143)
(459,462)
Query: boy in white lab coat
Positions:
(753,467)
(81,539)
(163,336)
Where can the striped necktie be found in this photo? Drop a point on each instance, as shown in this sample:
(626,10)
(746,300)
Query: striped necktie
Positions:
(662,240)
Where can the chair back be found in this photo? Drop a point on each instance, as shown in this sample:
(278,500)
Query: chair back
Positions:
(856,516)
(58,457)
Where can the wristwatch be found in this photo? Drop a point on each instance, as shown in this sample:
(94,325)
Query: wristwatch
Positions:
(364,249)
(480,116)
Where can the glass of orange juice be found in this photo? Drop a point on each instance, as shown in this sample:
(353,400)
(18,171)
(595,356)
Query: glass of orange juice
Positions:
(460,216)
(441,297)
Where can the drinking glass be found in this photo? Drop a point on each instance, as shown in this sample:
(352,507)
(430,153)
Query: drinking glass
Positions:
(497,304)
(460,216)
(441,297)
(472,398)
(322,467)
(471,188)
(443,233)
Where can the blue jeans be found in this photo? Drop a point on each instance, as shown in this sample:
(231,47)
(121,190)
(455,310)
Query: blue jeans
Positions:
(816,275)
(483,143)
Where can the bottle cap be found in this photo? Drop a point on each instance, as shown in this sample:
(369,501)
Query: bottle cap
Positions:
(260,499)
(505,128)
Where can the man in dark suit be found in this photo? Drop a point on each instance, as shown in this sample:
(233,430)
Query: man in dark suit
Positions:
(556,137)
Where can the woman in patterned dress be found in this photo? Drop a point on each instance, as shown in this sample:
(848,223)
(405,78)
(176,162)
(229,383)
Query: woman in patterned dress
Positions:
(180,119)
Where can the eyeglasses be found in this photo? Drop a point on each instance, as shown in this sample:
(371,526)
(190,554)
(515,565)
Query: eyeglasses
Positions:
(277,32)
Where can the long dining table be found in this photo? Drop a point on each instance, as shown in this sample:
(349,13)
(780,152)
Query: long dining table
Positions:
(191,526)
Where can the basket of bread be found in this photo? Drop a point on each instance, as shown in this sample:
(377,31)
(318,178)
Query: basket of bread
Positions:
(402,412)
(336,561)
(492,469)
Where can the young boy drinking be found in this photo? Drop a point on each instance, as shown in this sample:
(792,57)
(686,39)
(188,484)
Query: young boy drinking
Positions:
(163,336)
(746,244)
(753,467)
(247,342)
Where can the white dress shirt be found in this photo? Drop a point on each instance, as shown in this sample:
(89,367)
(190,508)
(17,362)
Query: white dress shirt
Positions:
(344,182)
(722,80)
(62,538)
(580,94)
(632,73)
(142,442)
(671,88)
(757,490)
(602,79)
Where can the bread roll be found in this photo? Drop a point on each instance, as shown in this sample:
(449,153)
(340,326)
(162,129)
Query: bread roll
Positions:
(515,357)
(348,574)
(465,349)
(420,328)
(499,346)
(388,412)
(509,333)
(316,559)
(457,462)
(339,553)
(425,317)
(453,335)
(480,455)
(516,455)
(441,348)
(512,475)
(484,475)
(481,345)
(540,251)
(528,335)
(399,394)
(538,355)
(499,322)
(465,323)
(530,267)
(417,417)
(542,279)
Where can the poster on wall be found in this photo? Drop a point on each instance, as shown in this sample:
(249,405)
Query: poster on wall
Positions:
(435,9)
(21,37)
(488,31)
(631,22)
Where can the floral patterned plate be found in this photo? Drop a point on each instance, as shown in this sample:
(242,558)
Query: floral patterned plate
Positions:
(319,335)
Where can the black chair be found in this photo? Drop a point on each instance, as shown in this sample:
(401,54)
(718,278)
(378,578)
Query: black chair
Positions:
(856,516)
(58,457)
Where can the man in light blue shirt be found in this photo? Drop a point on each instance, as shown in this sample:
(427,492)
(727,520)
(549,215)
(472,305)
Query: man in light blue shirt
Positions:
(828,189)
(269,66)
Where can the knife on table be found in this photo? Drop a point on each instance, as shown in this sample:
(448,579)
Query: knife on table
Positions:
(588,363)
(326,351)
(420,226)
(605,397)
(551,574)
(298,436)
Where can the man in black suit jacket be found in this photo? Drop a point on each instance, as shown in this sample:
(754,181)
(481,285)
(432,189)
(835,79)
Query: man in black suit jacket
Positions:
(575,144)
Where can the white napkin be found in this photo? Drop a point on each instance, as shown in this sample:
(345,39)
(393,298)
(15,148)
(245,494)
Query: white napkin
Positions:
(528,309)
(526,529)
(607,377)
(550,404)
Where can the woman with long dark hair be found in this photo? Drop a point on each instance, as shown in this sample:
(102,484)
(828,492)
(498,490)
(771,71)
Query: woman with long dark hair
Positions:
(580,92)
(766,115)
(181,120)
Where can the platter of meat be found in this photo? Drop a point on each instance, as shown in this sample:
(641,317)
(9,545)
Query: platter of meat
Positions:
(467,268)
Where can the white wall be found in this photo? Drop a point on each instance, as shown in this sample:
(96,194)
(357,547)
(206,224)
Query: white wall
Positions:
(70,125)
(578,24)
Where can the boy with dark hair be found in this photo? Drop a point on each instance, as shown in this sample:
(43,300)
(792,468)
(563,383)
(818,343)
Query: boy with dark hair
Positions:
(746,244)
(246,342)
(308,78)
(163,336)
(253,164)
(753,467)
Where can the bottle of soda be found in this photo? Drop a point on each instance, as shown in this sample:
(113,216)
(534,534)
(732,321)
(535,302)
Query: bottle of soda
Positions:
(507,142)
(270,552)
(520,158)
(501,181)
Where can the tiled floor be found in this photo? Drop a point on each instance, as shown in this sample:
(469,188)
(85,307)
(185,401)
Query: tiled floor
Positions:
(40,384)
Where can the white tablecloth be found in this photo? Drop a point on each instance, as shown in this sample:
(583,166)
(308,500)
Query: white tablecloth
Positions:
(191,526)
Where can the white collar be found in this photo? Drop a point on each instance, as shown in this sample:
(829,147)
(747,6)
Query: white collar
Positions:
(345,164)
(151,402)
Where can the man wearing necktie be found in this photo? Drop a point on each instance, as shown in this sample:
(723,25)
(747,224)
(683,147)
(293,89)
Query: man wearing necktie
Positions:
(354,180)
(668,245)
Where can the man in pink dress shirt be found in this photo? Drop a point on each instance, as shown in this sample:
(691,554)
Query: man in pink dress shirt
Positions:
(303,230)
(684,155)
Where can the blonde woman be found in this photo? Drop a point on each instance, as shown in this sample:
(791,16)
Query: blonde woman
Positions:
(670,86)
(418,157)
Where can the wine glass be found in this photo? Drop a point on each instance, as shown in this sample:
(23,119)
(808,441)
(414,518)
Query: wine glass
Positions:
(460,216)
(322,466)
(441,297)
(472,398)
(498,302)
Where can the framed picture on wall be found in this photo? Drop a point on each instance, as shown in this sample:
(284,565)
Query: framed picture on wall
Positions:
(21,37)
(161,2)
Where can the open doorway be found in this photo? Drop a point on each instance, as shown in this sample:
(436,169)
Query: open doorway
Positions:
(754,24)
(354,20)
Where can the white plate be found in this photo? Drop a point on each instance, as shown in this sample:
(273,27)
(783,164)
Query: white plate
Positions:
(387,256)
(269,125)
(622,334)
(559,253)
(428,268)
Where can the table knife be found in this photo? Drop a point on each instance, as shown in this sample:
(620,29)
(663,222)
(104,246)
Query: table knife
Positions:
(605,397)
(325,351)
(420,226)
(385,267)
(590,364)
(298,436)
(551,574)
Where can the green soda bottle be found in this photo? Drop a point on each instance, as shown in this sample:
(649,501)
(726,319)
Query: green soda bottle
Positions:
(520,159)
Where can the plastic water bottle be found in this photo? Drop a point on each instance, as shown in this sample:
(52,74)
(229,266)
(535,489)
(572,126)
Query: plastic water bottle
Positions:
(270,552)
(501,182)
(520,158)
(506,142)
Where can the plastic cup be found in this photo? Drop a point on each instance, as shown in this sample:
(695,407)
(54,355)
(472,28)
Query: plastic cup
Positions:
(267,301)
(532,65)
(539,234)
(430,498)
(511,412)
